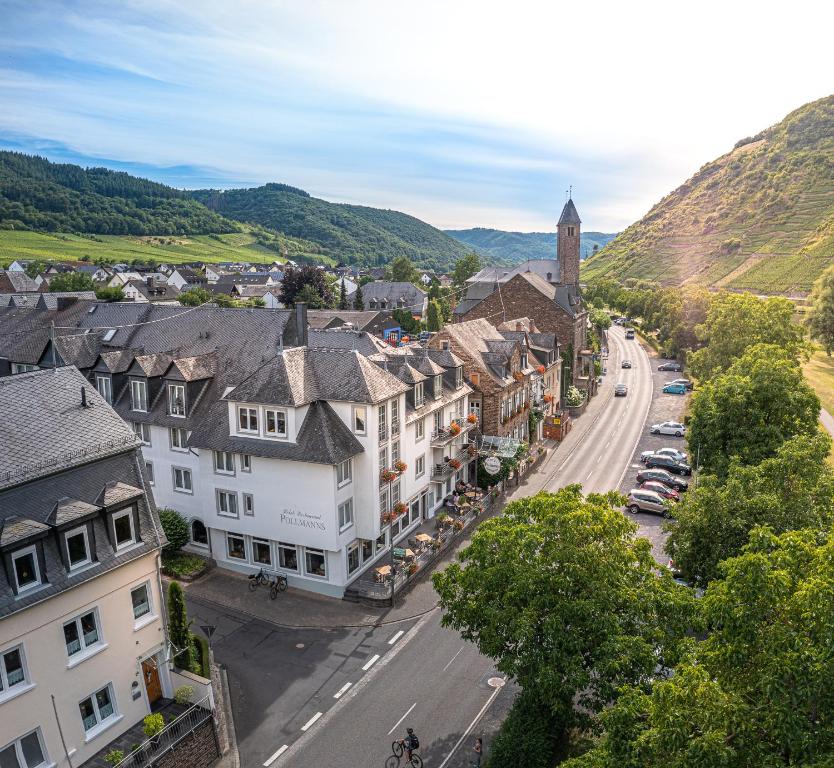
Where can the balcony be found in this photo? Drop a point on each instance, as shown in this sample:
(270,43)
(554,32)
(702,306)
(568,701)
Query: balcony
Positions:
(440,472)
(447,434)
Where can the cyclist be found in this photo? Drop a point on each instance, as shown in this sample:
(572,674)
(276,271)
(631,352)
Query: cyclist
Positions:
(410,742)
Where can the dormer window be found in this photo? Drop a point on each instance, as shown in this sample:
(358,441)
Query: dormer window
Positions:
(104,385)
(418,394)
(78,547)
(438,386)
(458,377)
(138,395)
(247,420)
(276,423)
(176,400)
(26,570)
(123,533)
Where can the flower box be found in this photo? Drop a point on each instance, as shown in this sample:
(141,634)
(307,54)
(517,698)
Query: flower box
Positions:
(454,428)
(400,508)
(387,476)
(400,466)
(540,368)
(518,376)
(454,464)
(548,398)
(472,418)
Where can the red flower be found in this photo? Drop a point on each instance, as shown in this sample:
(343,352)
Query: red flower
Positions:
(472,418)
(540,369)
(400,466)
(454,464)
(454,428)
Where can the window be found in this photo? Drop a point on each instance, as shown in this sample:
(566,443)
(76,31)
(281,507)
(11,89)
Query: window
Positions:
(345,514)
(475,378)
(395,417)
(395,494)
(82,633)
(315,563)
(199,533)
(23,368)
(367,550)
(438,422)
(415,511)
(26,571)
(78,547)
(12,673)
(236,546)
(383,424)
(353,558)
(182,480)
(123,528)
(141,600)
(261,552)
(179,439)
(458,377)
(395,452)
(418,394)
(420,466)
(344,472)
(571,231)
(26,752)
(383,458)
(419,429)
(523,360)
(149,471)
(245,462)
(248,504)
(143,431)
(288,556)
(98,709)
(247,419)
(438,386)
(138,395)
(176,400)
(227,503)
(104,385)
(475,407)
(224,463)
(276,423)
(360,422)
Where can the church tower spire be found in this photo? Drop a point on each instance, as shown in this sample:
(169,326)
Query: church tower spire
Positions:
(567,244)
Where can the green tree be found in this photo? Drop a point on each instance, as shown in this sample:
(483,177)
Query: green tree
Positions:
(433,321)
(35,268)
(311,297)
(318,293)
(175,527)
(434,289)
(565,598)
(401,270)
(343,300)
(793,489)
(194,297)
(178,627)
(358,299)
(749,411)
(528,737)
(71,281)
(406,321)
(599,320)
(465,267)
(116,293)
(821,316)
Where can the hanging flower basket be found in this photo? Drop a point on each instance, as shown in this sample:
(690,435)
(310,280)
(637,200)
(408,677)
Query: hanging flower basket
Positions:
(400,508)
(400,466)
(454,464)
(518,376)
(540,368)
(472,418)
(454,428)
(388,476)
(387,517)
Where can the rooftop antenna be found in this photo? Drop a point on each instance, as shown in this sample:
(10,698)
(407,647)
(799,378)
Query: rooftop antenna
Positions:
(570,192)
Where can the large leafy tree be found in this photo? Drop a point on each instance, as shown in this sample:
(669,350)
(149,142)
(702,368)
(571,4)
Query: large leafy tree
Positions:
(314,279)
(793,489)
(71,281)
(433,319)
(749,411)
(196,296)
(401,270)
(757,691)
(465,267)
(821,316)
(561,593)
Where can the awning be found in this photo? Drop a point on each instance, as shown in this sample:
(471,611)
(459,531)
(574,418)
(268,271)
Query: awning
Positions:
(504,447)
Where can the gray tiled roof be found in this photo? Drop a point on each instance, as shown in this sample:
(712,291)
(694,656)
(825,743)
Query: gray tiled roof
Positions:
(69,510)
(115,492)
(569,214)
(14,529)
(395,294)
(364,343)
(360,318)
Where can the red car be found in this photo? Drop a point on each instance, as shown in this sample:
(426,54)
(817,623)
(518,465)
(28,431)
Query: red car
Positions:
(661,489)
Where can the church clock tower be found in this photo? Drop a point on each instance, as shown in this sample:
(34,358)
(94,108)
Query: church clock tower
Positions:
(567,244)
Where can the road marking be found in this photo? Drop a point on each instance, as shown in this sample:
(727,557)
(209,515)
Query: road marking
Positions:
(276,755)
(449,663)
(599,458)
(373,660)
(402,718)
(396,637)
(311,721)
(338,694)
(471,726)
(589,475)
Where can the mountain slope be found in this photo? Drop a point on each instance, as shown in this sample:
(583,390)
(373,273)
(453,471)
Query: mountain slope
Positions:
(351,233)
(512,247)
(760,218)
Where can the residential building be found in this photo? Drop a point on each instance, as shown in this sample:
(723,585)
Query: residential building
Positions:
(83,648)
(375,322)
(16,281)
(383,294)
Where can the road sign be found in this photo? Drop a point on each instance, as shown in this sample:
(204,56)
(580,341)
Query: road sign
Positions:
(208,629)
(492,464)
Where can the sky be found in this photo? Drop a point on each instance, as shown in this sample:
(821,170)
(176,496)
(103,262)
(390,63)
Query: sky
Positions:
(461,113)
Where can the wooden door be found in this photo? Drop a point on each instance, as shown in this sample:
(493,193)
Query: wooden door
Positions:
(152,684)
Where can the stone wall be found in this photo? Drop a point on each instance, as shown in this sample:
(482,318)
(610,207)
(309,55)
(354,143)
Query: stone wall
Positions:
(197,750)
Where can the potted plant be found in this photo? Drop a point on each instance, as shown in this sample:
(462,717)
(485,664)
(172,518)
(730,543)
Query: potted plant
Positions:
(471,450)
(400,466)
(153,725)
(472,418)
(540,368)
(400,508)
(387,476)
(454,464)
(387,517)
(114,757)
(442,519)
(548,398)
(412,569)
(458,525)
(454,428)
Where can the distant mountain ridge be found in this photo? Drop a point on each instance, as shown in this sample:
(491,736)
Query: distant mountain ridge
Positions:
(759,218)
(513,247)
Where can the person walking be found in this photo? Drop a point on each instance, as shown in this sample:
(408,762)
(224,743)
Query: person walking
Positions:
(478,749)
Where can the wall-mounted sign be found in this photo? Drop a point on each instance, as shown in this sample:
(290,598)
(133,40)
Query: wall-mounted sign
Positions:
(293,516)
(492,464)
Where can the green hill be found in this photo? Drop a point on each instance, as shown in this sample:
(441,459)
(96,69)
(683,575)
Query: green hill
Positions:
(350,233)
(513,247)
(759,218)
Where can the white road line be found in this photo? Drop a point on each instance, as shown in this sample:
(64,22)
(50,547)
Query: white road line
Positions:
(338,694)
(276,755)
(311,721)
(589,475)
(599,458)
(402,718)
(396,637)
(471,726)
(373,660)
(449,663)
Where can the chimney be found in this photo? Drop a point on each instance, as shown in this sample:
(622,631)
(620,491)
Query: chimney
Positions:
(301,323)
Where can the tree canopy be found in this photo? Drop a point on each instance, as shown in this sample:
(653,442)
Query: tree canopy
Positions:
(401,270)
(71,281)
(196,296)
(821,315)
(309,284)
(465,267)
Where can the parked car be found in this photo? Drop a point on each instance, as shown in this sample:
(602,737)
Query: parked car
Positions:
(670,366)
(640,500)
(630,333)
(620,390)
(673,452)
(674,389)
(626,364)
(668,428)
(662,476)
(659,461)
(686,382)
(661,490)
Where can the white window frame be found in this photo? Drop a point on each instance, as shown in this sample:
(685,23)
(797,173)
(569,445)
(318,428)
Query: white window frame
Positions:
(85,650)
(263,542)
(17,745)
(118,516)
(20,553)
(395,452)
(176,391)
(315,551)
(250,414)
(81,529)
(222,460)
(223,493)
(230,535)
(102,724)
(353,547)
(283,545)
(420,466)
(139,395)
(345,514)
(245,462)
(419,429)
(104,382)
(458,377)
(277,415)
(24,684)
(182,488)
(360,413)
(179,431)
(142,430)
(248,505)
(419,395)
(344,473)
(150,472)
(437,386)
(143,618)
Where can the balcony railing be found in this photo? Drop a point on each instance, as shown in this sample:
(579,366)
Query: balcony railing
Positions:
(447,434)
(441,471)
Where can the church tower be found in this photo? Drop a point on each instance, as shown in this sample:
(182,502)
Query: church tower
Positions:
(567,244)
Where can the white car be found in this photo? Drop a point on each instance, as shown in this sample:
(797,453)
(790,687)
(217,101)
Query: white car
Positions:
(668,428)
(673,452)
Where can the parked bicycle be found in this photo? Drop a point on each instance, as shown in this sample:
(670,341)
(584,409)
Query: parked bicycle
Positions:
(277,582)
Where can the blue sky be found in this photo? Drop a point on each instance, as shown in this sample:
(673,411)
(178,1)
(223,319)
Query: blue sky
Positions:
(463,113)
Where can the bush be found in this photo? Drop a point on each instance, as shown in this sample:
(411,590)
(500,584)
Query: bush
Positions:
(175,527)
(153,724)
(114,757)
(200,655)
(573,397)
(180,565)
(183,694)
(530,736)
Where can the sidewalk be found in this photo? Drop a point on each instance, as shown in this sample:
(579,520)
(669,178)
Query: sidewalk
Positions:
(827,420)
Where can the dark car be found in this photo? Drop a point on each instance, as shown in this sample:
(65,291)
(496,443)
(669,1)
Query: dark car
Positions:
(626,364)
(664,491)
(659,461)
(630,333)
(671,366)
(662,476)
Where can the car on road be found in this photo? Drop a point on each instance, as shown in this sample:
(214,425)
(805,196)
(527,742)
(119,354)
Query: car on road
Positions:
(686,382)
(620,390)
(630,333)
(626,364)
(659,461)
(672,365)
(640,500)
(661,490)
(662,476)
(673,452)
(674,389)
(668,428)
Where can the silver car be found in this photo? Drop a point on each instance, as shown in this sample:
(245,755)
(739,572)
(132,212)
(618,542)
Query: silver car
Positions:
(642,500)
(671,452)
(668,428)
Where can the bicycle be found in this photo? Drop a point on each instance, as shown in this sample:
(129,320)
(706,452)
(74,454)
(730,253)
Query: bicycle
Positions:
(277,582)
(398,748)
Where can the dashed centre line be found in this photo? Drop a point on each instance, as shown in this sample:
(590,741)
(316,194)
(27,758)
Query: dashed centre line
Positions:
(370,662)
(276,755)
(311,721)
(396,637)
(341,691)
(449,663)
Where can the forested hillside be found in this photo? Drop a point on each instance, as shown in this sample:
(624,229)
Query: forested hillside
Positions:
(759,218)
(512,247)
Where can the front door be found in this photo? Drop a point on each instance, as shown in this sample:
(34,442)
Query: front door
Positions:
(152,684)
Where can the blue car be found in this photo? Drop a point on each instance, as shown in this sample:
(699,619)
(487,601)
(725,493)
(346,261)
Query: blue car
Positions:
(675,389)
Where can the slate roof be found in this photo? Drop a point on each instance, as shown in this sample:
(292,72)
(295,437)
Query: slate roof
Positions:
(158,292)
(359,318)
(17,282)
(365,343)
(406,295)
(69,510)
(569,214)
(565,296)
(482,339)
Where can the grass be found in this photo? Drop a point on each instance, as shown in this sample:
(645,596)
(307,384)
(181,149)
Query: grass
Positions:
(819,371)
(182,564)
